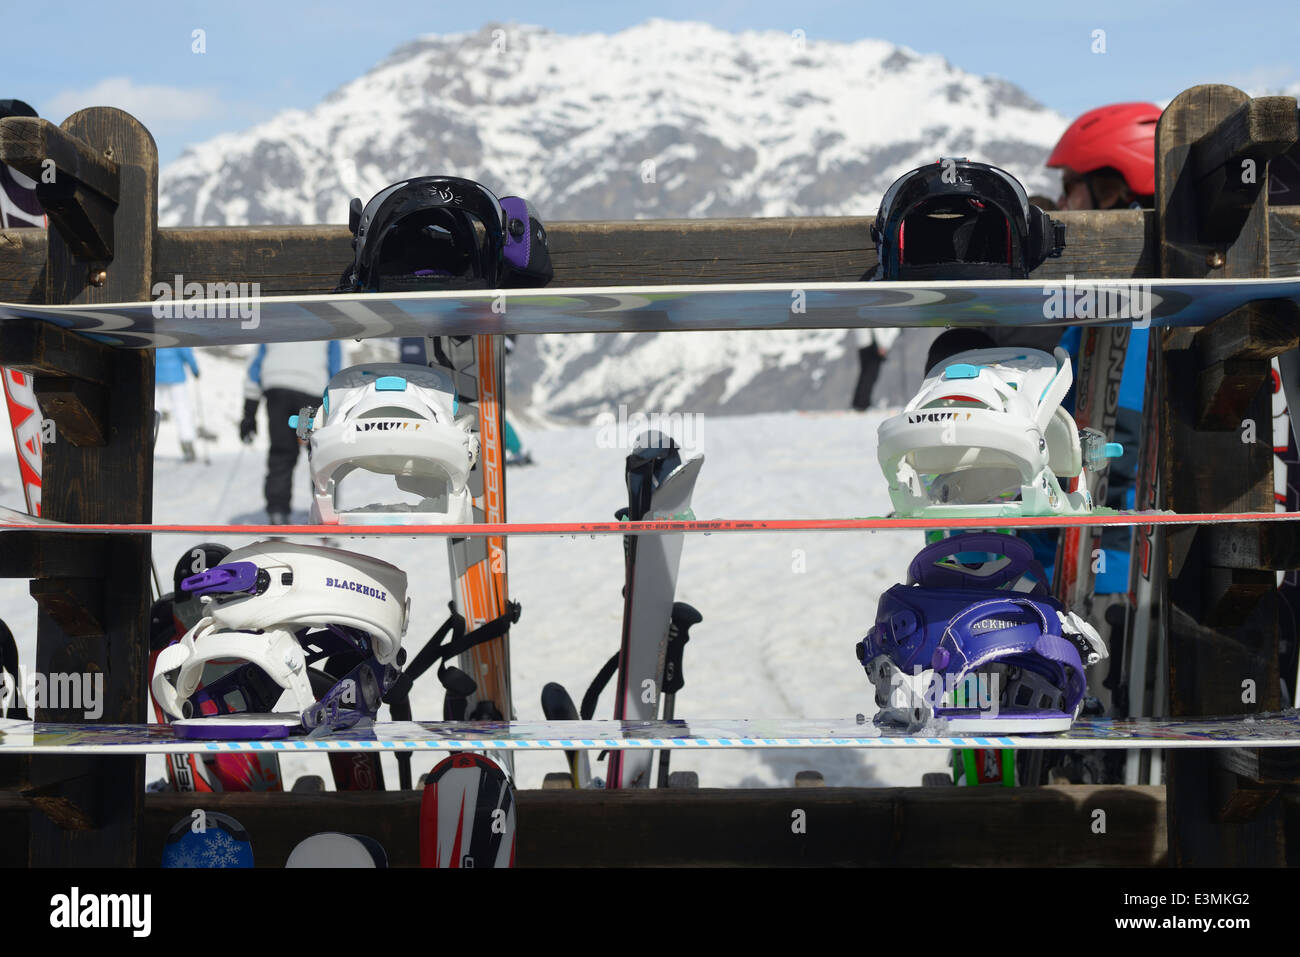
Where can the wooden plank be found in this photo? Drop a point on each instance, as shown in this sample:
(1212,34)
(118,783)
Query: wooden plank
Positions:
(297,260)
(79,409)
(41,348)
(113,482)
(1229,377)
(1221,623)
(1229,162)
(52,555)
(1275,547)
(863,827)
(29,144)
(78,185)
(75,605)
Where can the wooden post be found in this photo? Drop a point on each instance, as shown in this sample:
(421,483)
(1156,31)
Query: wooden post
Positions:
(93,616)
(1219,617)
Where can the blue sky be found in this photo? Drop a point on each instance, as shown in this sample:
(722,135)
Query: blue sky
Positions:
(269,55)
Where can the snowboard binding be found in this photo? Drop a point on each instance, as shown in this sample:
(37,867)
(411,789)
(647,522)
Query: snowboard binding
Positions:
(391,419)
(959,219)
(444,232)
(975,639)
(986,436)
(273,610)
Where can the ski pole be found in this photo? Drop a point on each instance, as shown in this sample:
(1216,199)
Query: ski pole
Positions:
(202,430)
(679,626)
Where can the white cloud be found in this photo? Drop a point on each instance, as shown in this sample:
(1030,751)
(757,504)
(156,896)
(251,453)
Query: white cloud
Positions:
(154,106)
(1275,80)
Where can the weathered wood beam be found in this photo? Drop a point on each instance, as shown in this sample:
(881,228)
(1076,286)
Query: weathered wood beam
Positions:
(1253,545)
(41,554)
(865,827)
(297,260)
(77,184)
(1219,624)
(42,348)
(1229,162)
(1230,348)
(91,807)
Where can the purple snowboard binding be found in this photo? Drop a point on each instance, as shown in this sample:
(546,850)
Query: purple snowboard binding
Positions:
(974,639)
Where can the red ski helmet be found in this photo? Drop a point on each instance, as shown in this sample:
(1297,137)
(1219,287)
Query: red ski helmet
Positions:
(1122,135)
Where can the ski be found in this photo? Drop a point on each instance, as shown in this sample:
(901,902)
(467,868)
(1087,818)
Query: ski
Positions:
(478,564)
(1275,730)
(658,482)
(14,521)
(467,814)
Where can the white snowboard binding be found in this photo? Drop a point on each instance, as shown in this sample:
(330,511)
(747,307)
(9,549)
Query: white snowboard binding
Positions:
(986,437)
(394,419)
(271,611)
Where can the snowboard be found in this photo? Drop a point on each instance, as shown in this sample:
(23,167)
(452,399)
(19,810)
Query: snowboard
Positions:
(331,849)
(467,814)
(14,521)
(207,839)
(650,585)
(1280,729)
(836,305)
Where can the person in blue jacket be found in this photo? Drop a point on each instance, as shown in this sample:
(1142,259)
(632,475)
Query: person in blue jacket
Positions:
(290,376)
(173,395)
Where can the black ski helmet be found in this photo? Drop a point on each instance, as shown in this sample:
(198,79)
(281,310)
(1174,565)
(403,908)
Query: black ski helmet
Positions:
(15,108)
(444,232)
(958,219)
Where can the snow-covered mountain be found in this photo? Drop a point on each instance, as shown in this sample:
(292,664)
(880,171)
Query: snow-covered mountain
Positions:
(666,119)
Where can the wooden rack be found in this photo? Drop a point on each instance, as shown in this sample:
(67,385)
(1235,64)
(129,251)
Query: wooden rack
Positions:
(1217,612)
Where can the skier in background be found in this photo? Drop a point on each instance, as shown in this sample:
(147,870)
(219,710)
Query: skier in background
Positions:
(873,347)
(290,375)
(173,395)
